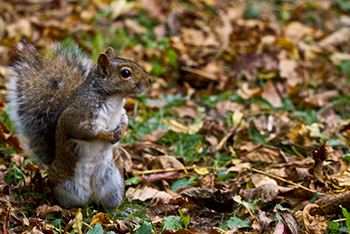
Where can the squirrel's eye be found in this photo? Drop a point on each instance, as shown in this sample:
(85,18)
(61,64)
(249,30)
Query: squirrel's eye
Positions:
(125,73)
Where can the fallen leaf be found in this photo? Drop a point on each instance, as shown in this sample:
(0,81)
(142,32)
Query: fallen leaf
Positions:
(280,228)
(335,40)
(45,210)
(163,162)
(271,96)
(176,126)
(145,193)
(213,199)
(77,226)
(329,203)
(101,218)
(8,138)
(296,31)
(122,226)
(314,224)
(155,135)
(267,192)
(201,170)
(289,220)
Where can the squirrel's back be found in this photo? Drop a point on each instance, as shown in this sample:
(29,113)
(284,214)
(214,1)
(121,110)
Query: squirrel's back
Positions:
(38,87)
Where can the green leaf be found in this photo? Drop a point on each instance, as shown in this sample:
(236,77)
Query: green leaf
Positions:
(97,45)
(256,135)
(184,182)
(172,223)
(235,222)
(345,68)
(172,56)
(145,228)
(56,223)
(97,229)
(185,218)
(132,180)
(347,216)
(333,226)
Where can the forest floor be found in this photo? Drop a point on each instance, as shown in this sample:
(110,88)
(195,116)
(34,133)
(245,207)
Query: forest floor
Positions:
(246,127)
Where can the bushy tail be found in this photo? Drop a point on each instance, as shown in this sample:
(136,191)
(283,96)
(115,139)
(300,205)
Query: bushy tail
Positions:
(38,87)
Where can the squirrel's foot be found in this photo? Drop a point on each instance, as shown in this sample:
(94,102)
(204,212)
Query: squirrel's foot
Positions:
(119,131)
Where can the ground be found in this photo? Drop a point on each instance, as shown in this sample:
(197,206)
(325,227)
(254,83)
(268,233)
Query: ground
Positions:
(245,128)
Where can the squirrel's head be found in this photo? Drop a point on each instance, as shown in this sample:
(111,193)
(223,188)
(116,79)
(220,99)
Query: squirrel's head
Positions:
(122,76)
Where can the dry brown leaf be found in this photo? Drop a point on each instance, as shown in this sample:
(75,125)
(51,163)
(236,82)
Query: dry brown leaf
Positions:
(265,221)
(324,155)
(329,203)
(186,111)
(271,96)
(134,27)
(259,153)
(267,192)
(240,167)
(343,179)
(314,224)
(171,175)
(155,135)
(226,105)
(163,162)
(122,226)
(185,231)
(8,138)
(45,210)
(288,70)
(145,193)
(335,40)
(245,92)
(296,31)
(337,57)
(213,199)
(212,140)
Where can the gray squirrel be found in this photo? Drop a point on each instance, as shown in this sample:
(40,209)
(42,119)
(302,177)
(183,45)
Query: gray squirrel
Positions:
(72,112)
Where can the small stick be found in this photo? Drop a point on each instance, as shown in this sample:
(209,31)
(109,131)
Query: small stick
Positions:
(284,180)
(176,169)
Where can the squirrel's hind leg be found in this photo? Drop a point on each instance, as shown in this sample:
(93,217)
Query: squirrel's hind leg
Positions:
(108,186)
(68,194)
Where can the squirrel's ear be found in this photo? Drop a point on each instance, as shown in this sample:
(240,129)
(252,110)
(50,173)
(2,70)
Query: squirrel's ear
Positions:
(110,52)
(103,63)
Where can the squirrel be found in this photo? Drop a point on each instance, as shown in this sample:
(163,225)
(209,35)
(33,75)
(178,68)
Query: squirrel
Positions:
(72,112)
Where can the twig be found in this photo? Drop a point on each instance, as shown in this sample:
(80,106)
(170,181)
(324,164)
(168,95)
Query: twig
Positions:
(284,180)
(176,169)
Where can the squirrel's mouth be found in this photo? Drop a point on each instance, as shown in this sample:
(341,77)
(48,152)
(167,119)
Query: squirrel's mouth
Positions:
(138,89)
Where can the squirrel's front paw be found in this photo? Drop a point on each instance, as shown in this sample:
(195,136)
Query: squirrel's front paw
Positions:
(119,132)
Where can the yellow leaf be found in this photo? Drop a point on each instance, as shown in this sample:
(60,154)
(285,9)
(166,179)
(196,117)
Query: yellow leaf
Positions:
(268,75)
(201,170)
(233,152)
(119,7)
(237,117)
(179,127)
(101,218)
(288,46)
(77,226)
(199,147)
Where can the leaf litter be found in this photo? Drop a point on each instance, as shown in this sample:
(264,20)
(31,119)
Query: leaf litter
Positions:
(245,129)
